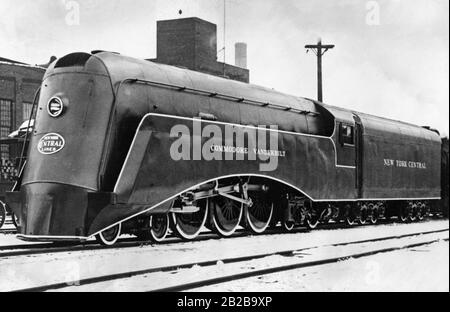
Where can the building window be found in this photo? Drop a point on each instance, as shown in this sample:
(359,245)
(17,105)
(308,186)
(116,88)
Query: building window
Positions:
(5,125)
(26,110)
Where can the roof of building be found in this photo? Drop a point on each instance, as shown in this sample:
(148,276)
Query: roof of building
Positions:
(5,60)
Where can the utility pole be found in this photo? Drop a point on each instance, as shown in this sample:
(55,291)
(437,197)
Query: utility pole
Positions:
(224,34)
(319,49)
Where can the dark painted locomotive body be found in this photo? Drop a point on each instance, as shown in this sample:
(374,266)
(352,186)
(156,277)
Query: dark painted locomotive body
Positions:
(116,132)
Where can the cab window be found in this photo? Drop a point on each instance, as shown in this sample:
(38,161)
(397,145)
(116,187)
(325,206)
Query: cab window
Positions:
(346,134)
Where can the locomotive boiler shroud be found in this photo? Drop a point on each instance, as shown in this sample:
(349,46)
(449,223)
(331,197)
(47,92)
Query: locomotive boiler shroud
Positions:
(113,141)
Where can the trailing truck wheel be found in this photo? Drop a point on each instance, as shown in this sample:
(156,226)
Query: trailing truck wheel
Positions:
(259,215)
(109,236)
(189,225)
(2,214)
(312,217)
(288,226)
(226,215)
(312,222)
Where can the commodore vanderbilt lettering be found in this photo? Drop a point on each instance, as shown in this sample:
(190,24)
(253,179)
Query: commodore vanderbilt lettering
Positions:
(226,142)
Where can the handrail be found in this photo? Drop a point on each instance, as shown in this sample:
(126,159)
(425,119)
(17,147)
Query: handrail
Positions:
(36,96)
(219,95)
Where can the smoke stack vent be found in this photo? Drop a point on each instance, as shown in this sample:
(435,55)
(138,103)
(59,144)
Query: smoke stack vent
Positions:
(241,54)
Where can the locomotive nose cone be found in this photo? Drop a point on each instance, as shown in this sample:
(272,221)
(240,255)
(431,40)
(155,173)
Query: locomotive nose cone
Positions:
(53,210)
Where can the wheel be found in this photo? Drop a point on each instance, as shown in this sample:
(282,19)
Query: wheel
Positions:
(421,212)
(189,225)
(350,218)
(159,227)
(350,221)
(109,236)
(288,226)
(312,217)
(259,215)
(312,222)
(2,214)
(414,213)
(364,215)
(403,214)
(374,216)
(226,215)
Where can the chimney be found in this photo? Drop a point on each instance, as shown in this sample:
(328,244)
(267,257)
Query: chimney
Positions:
(241,54)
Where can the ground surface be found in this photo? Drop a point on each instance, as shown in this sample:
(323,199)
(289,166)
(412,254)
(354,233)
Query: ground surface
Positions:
(424,268)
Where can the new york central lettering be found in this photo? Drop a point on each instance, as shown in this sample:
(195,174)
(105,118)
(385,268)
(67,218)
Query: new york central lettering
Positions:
(404,164)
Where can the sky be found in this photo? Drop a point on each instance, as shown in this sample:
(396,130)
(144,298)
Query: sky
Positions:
(391,57)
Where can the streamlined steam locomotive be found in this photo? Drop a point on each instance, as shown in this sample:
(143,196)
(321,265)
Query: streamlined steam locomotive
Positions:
(122,145)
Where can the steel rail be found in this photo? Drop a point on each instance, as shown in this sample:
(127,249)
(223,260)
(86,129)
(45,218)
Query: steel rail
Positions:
(44,248)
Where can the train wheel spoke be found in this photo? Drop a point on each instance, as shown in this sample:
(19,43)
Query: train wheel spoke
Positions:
(259,215)
(110,236)
(226,215)
(189,225)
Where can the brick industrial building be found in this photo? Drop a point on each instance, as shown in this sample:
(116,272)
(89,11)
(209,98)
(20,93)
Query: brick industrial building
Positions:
(192,43)
(18,85)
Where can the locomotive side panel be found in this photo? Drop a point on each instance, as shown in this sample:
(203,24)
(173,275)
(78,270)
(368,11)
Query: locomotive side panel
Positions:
(164,162)
(400,161)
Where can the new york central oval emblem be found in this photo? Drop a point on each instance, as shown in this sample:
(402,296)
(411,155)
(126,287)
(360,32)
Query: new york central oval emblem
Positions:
(51,143)
(55,107)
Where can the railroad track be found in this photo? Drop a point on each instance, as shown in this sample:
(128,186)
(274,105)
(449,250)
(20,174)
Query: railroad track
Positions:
(11,230)
(8,231)
(41,248)
(241,259)
(44,248)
